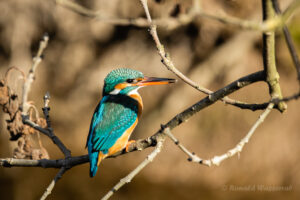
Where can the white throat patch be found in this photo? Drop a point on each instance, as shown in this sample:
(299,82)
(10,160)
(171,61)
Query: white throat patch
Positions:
(135,91)
(115,92)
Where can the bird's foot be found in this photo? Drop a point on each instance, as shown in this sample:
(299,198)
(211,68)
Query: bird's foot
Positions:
(128,144)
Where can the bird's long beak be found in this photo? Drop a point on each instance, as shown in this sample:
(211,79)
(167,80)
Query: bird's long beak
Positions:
(155,81)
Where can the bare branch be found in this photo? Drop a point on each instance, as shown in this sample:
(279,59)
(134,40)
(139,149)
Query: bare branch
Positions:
(272,76)
(14,162)
(44,163)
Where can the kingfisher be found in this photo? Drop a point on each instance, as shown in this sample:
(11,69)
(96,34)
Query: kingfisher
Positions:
(117,114)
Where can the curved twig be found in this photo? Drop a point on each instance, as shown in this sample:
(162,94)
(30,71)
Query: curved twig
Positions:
(217,160)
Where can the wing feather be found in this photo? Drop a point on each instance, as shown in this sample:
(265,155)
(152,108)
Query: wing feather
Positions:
(114,115)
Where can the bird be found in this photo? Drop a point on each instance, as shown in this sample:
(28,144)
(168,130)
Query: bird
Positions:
(117,114)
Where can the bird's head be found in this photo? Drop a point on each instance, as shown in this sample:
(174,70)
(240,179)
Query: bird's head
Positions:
(124,80)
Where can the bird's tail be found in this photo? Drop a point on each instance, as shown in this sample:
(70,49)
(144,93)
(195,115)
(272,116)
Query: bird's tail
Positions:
(95,159)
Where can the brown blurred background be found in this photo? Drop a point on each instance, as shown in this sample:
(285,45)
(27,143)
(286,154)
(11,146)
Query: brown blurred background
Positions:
(82,51)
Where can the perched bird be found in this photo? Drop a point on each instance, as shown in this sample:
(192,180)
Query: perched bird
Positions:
(117,114)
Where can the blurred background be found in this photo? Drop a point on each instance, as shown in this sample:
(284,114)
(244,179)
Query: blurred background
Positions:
(82,51)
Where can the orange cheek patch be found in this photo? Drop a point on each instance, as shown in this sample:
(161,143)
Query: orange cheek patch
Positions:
(121,86)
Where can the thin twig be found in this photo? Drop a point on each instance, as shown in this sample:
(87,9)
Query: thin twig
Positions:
(52,184)
(51,134)
(30,77)
(239,147)
(141,166)
(216,160)
(192,156)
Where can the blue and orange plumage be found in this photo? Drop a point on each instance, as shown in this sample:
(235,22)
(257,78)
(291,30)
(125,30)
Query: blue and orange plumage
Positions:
(117,114)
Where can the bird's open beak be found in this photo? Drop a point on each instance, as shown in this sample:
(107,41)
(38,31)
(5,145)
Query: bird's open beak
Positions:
(155,81)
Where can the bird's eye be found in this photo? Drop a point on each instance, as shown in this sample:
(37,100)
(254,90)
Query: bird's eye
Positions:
(130,80)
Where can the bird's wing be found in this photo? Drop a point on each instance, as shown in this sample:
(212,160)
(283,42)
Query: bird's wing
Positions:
(114,115)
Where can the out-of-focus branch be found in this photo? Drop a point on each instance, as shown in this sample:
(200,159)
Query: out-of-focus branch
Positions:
(140,22)
(160,140)
(289,41)
(183,19)
(167,22)
(267,25)
(30,77)
(272,76)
